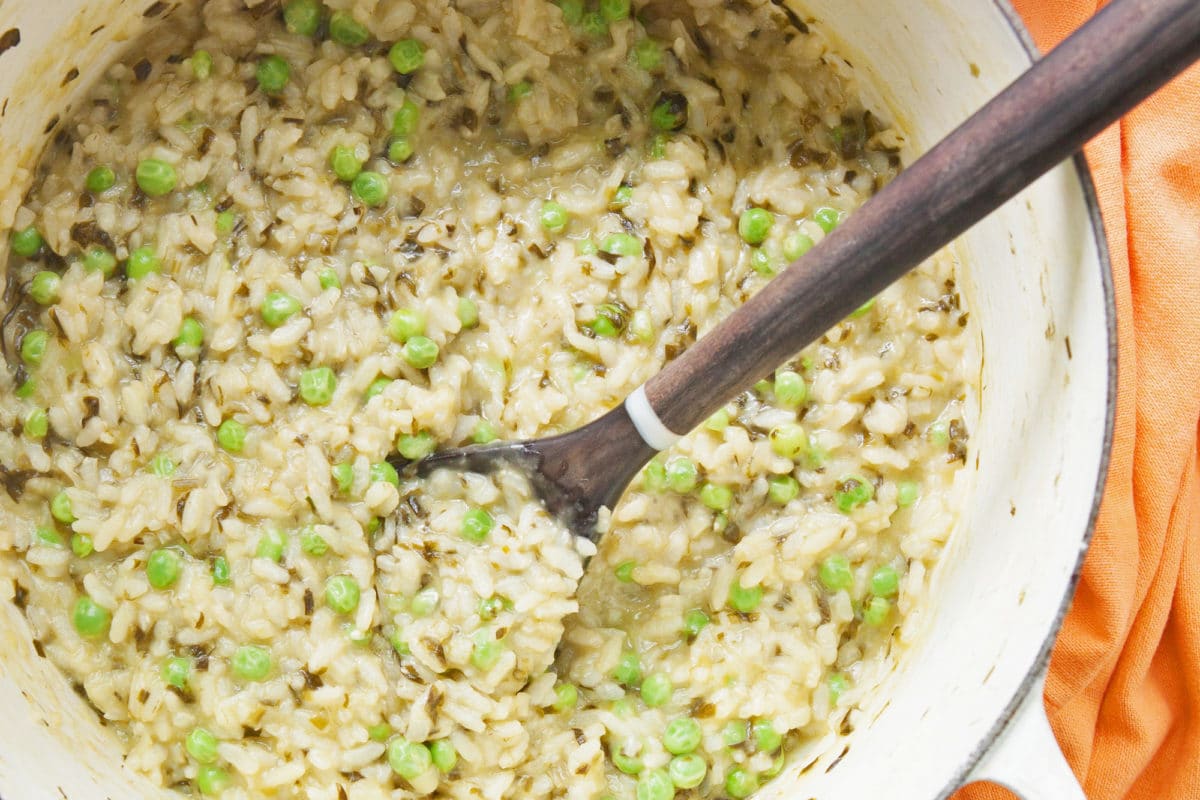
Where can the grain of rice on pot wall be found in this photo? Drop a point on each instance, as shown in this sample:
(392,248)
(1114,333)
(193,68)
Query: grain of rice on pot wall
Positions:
(281,243)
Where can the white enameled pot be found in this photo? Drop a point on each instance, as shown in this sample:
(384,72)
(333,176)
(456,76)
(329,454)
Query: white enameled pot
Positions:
(966,702)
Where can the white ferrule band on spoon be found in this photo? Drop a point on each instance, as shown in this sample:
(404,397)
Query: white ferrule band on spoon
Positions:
(647,422)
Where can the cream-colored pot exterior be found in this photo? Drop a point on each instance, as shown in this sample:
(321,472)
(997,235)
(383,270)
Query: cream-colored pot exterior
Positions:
(1038,287)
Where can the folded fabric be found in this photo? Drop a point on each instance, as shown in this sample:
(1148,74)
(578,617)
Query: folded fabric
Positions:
(1123,694)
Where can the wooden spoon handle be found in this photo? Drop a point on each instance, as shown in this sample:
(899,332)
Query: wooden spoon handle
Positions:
(1117,59)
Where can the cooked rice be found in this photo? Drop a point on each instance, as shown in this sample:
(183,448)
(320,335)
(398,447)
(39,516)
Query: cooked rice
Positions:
(773,122)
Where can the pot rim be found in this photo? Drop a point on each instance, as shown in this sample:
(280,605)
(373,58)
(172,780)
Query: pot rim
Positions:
(1041,661)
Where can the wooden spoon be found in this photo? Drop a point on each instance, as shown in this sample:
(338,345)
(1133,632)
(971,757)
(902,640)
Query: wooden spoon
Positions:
(1124,53)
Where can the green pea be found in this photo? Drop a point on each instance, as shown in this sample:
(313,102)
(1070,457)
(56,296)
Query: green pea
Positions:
(278,307)
(271,545)
(621,244)
(211,779)
(744,599)
(342,594)
(658,146)
(484,432)
(177,671)
(863,309)
(408,759)
(89,617)
(682,474)
(416,446)
(371,188)
(383,471)
(220,571)
(27,241)
(554,216)
(939,433)
(399,645)
(827,218)
(155,177)
(594,25)
(251,662)
(853,491)
(82,545)
(406,119)
(26,389)
(231,435)
(406,323)
(648,54)
(44,288)
(519,91)
(614,10)
(716,497)
(796,245)
(317,386)
(201,745)
(37,424)
(142,262)
(628,671)
(624,571)
(885,581)
(421,352)
(202,64)
(654,477)
(100,179)
(163,567)
(877,611)
(486,651)
(788,440)
(835,573)
(621,198)
(399,150)
(328,278)
(468,313)
(623,708)
(346,30)
(407,56)
(572,10)
(654,784)
(377,387)
(656,689)
(313,543)
(838,684)
(760,260)
(734,733)
(623,761)
(380,732)
(782,489)
(344,163)
(755,224)
(33,347)
(694,621)
(60,508)
(565,697)
(670,112)
(424,602)
(302,16)
(766,738)
(47,536)
(99,259)
(443,755)
(687,771)
(225,222)
(776,766)
(682,735)
(740,783)
(907,493)
(790,389)
(476,525)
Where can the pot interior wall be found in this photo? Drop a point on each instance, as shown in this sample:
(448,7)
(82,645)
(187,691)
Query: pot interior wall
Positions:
(1034,287)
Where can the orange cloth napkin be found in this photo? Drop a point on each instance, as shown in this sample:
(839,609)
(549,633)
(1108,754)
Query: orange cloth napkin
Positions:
(1123,693)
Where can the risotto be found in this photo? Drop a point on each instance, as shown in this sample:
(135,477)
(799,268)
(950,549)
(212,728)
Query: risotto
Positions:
(282,243)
